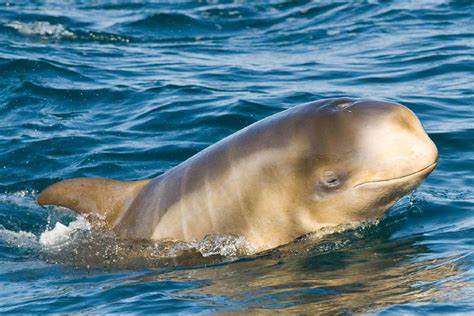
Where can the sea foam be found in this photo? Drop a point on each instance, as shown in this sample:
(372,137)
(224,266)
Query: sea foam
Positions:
(41,28)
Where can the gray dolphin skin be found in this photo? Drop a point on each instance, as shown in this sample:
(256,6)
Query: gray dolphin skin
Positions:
(322,164)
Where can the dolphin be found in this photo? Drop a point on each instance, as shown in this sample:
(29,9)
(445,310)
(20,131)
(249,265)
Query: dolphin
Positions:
(322,164)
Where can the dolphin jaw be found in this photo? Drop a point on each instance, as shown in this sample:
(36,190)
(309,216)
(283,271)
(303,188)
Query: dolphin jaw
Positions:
(422,173)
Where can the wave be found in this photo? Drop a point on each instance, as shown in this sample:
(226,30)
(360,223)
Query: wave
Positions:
(72,93)
(46,30)
(172,26)
(41,28)
(12,67)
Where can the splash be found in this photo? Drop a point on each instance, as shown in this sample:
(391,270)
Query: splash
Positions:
(78,244)
(212,245)
(62,235)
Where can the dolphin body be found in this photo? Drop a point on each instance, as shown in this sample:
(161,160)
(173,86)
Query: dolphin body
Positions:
(321,164)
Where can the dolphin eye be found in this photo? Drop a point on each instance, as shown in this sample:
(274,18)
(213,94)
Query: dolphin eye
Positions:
(330,179)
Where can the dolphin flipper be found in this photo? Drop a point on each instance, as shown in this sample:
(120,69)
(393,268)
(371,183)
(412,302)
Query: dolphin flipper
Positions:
(109,199)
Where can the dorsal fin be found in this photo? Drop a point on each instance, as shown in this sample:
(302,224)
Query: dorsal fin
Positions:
(107,198)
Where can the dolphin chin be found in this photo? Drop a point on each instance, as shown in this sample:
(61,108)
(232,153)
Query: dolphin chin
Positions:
(326,163)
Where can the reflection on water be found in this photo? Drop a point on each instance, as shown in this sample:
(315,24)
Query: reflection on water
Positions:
(364,275)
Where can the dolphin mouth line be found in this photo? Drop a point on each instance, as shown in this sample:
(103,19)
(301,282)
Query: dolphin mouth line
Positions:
(399,178)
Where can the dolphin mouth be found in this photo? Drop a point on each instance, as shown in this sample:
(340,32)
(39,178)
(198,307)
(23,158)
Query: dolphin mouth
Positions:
(426,169)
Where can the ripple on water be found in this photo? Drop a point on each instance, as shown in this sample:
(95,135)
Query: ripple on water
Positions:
(128,90)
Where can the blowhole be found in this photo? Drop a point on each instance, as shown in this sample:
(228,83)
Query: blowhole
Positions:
(342,106)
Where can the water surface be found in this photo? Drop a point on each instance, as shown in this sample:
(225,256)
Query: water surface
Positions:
(129,89)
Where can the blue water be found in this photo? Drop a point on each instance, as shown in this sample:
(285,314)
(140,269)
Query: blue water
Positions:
(127,90)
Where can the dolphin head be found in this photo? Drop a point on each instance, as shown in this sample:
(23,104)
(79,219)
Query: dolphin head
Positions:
(371,154)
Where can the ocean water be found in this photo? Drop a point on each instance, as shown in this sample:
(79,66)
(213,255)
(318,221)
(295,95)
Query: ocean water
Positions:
(129,89)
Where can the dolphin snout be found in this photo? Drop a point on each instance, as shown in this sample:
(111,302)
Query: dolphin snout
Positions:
(423,150)
(395,145)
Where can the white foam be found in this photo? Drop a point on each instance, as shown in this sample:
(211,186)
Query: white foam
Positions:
(41,28)
(62,234)
(20,239)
